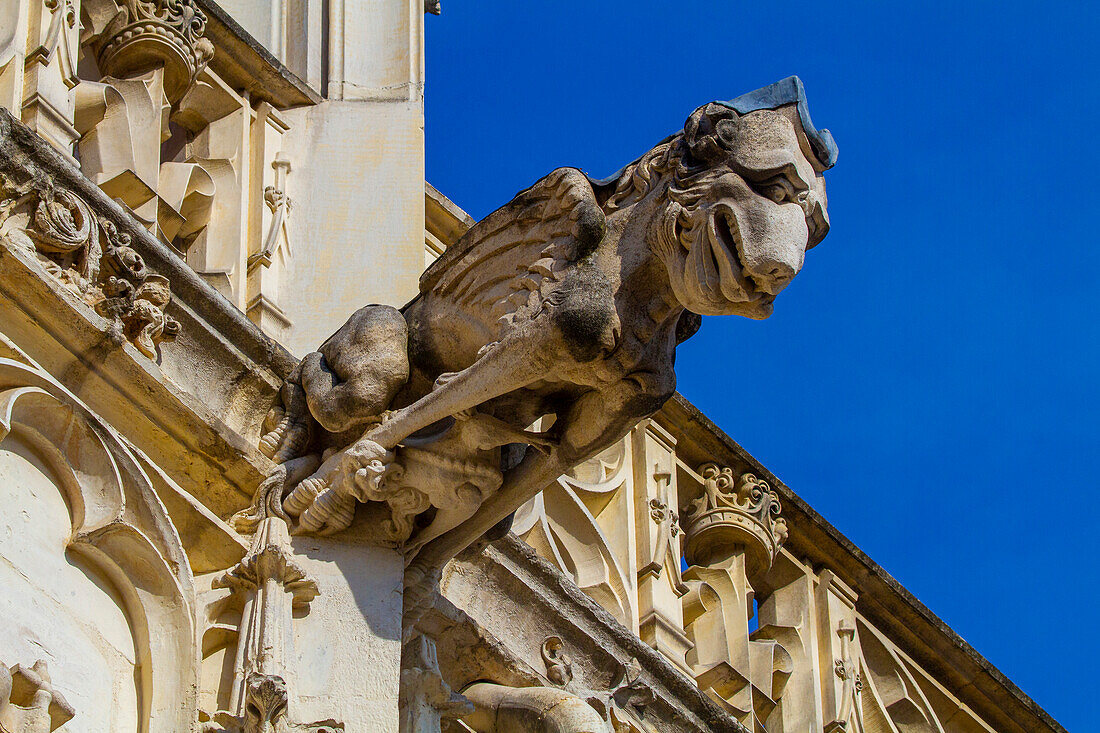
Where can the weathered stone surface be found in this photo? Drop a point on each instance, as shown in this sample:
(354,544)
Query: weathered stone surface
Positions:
(517,597)
(203,390)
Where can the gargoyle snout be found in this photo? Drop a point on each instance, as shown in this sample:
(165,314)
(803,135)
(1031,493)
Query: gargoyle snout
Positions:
(771,274)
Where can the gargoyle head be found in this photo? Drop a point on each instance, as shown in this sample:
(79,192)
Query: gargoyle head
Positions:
(739,196)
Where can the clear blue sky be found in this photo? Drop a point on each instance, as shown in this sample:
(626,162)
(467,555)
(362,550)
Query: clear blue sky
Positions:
(929,381)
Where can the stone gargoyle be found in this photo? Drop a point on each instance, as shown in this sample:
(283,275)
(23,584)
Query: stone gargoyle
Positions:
(547,331)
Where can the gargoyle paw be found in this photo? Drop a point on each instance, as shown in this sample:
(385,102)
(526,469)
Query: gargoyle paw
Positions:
(330,512)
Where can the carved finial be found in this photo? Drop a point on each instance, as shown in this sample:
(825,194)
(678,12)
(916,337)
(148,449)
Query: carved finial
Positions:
(150,33)
(426,699)
(271,558)
(731,513)
(28,701)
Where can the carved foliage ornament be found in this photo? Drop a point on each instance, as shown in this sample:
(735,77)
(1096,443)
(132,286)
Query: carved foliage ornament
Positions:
(150,33)
(89,257)
(742,511)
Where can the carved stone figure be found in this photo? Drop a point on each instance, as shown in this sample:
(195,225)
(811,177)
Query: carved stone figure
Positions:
(560,310)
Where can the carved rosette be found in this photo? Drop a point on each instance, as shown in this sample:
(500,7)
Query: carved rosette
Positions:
(89,257)
(150,33)
(732,513)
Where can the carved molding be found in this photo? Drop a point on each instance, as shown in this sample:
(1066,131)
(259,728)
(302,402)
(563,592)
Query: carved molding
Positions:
(846,670)
(120,527)
(89,257)
(277,200)
(889,687)
(664,553)
(149,33)
(732,512)
(562,523)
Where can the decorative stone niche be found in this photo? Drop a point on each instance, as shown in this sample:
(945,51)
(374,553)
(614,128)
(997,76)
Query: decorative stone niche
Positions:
(96,584)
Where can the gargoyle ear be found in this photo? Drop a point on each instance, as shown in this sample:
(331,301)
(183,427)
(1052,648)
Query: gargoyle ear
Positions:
(709,132)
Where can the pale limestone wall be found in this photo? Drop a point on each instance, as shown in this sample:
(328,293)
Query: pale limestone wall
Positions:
(348,649)
(355,162)
(356,157)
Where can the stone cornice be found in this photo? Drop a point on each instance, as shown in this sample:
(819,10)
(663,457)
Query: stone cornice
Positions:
(442,217)
(559,597)
(212,441)
(246,65)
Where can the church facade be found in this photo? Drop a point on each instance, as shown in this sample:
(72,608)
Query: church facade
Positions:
(193,198)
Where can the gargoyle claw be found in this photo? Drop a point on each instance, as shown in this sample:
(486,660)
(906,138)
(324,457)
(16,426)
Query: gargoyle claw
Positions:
(330,512)
(325,502)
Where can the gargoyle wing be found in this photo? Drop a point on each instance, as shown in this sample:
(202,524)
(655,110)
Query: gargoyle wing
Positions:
(505,265)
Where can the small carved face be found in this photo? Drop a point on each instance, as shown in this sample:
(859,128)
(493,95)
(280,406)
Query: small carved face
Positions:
(744,206)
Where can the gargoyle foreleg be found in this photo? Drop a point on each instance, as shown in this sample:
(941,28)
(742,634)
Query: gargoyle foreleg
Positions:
(596,420)
(492,432)
(325,502)
(508,366)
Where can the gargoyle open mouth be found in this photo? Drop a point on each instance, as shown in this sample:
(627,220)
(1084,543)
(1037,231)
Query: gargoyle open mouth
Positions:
(726,253)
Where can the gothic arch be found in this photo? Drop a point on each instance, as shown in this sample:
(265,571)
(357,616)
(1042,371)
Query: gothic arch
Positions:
(120,528)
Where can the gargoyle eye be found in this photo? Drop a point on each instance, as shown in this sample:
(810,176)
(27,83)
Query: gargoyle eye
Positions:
(778,190)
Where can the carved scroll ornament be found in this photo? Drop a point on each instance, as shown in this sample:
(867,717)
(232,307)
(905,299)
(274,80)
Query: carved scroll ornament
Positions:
(89,257)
